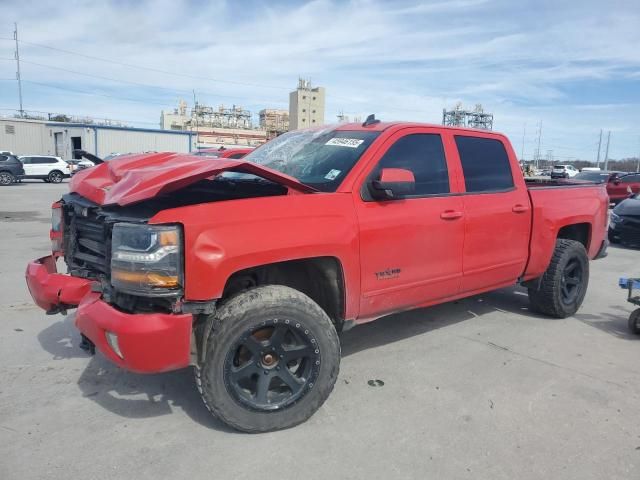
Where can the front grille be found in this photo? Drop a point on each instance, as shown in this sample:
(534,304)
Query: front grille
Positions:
(629,230)
(87,242)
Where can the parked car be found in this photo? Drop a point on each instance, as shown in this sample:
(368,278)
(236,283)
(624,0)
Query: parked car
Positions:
(5,152)
(248,269)
(624,225)
(11,169)
(618,187)
(233,153)
(77,165)
(564,171)
(45,167)
(596,176)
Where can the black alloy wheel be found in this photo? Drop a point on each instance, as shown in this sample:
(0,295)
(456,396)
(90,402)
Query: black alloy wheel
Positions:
(6,178)
(562,288)
(272,366)
(271,359)
(571,282)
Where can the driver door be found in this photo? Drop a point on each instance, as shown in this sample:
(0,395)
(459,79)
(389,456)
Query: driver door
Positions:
(411,247)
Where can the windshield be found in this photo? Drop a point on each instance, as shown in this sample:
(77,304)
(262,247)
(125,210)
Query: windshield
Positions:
(319,158)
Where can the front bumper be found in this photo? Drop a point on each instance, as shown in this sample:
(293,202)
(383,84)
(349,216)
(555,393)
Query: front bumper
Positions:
(147,342)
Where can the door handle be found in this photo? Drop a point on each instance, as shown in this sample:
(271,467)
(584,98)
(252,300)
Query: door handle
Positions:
(519,208)
(450,215)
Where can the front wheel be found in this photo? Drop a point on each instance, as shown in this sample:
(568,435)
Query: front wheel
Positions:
(564,284)
(272,359)
(6,178)
(55,177)
(634,322)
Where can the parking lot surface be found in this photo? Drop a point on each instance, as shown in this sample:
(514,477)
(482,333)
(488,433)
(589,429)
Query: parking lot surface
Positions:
(480,388)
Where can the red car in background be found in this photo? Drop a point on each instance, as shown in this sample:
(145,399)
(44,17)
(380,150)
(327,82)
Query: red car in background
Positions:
(618,187)
(232,153)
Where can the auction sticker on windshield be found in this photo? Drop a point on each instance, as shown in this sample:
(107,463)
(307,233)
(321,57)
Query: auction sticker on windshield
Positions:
(345,142)
(332,175)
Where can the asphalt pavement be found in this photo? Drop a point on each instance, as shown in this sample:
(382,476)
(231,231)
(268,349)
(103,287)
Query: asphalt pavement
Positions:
(476,389)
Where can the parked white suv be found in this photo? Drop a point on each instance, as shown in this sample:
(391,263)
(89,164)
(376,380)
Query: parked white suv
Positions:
(45,167)
(564,171)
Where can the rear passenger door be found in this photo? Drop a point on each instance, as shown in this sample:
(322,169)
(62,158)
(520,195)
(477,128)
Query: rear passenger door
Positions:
(45,165)
(497,214)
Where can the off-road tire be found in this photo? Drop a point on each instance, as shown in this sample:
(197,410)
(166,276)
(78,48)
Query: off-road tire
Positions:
(249,310)
(548,298)
(55,176)
(634,322)
(7,178)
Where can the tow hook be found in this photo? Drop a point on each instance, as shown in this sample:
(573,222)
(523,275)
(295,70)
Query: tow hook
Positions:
(87,345)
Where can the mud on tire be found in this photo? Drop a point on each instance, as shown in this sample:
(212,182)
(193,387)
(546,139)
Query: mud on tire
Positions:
(272,358)
(564,284)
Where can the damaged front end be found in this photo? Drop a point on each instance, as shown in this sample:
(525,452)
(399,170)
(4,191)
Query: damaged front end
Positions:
(125,273)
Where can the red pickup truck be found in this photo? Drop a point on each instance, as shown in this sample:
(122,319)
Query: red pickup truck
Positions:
(248,269)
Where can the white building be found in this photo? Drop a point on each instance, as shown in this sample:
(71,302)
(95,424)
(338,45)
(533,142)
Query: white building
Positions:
(306,106)
(40,137)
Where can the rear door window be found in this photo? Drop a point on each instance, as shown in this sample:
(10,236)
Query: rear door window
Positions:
(485,164)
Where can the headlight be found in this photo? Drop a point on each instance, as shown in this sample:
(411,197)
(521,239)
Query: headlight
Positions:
(146,259)
(56,229)
(56,217)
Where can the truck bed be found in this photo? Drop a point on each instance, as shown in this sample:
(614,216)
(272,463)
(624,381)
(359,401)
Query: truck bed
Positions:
(537,183)
(556,203)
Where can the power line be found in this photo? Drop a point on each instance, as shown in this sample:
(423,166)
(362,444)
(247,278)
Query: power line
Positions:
(150,69)
(118,120)
(118,80)
(84,92)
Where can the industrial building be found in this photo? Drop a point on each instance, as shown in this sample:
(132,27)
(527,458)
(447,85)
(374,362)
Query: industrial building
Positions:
(459,117)
(274,122)
(41,137)
(213,127)
(306,106)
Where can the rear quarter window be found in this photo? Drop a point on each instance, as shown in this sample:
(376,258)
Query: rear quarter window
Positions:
(485,164)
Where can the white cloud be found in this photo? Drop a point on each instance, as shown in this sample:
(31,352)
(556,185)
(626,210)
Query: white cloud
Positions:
(402,60)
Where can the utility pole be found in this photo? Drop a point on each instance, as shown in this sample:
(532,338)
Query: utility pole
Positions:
(524,131)
(538,147)
(17,55)
(195,110)
(606,152)
(599,145)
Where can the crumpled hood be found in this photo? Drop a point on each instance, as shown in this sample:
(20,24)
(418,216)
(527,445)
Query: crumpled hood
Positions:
(134,178)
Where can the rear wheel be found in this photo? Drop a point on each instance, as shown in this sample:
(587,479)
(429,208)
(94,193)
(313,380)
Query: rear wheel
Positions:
(272,359)
(7,178)
(55,176)
(563,286)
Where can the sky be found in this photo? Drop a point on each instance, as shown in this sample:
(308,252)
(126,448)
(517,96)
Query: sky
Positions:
(573,66)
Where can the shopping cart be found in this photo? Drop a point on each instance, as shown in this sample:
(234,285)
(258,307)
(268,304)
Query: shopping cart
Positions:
(632,285)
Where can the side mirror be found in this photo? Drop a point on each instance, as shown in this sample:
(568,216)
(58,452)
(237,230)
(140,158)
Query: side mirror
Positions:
(393,184)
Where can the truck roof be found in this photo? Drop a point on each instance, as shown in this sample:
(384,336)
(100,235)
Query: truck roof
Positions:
(381,126)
